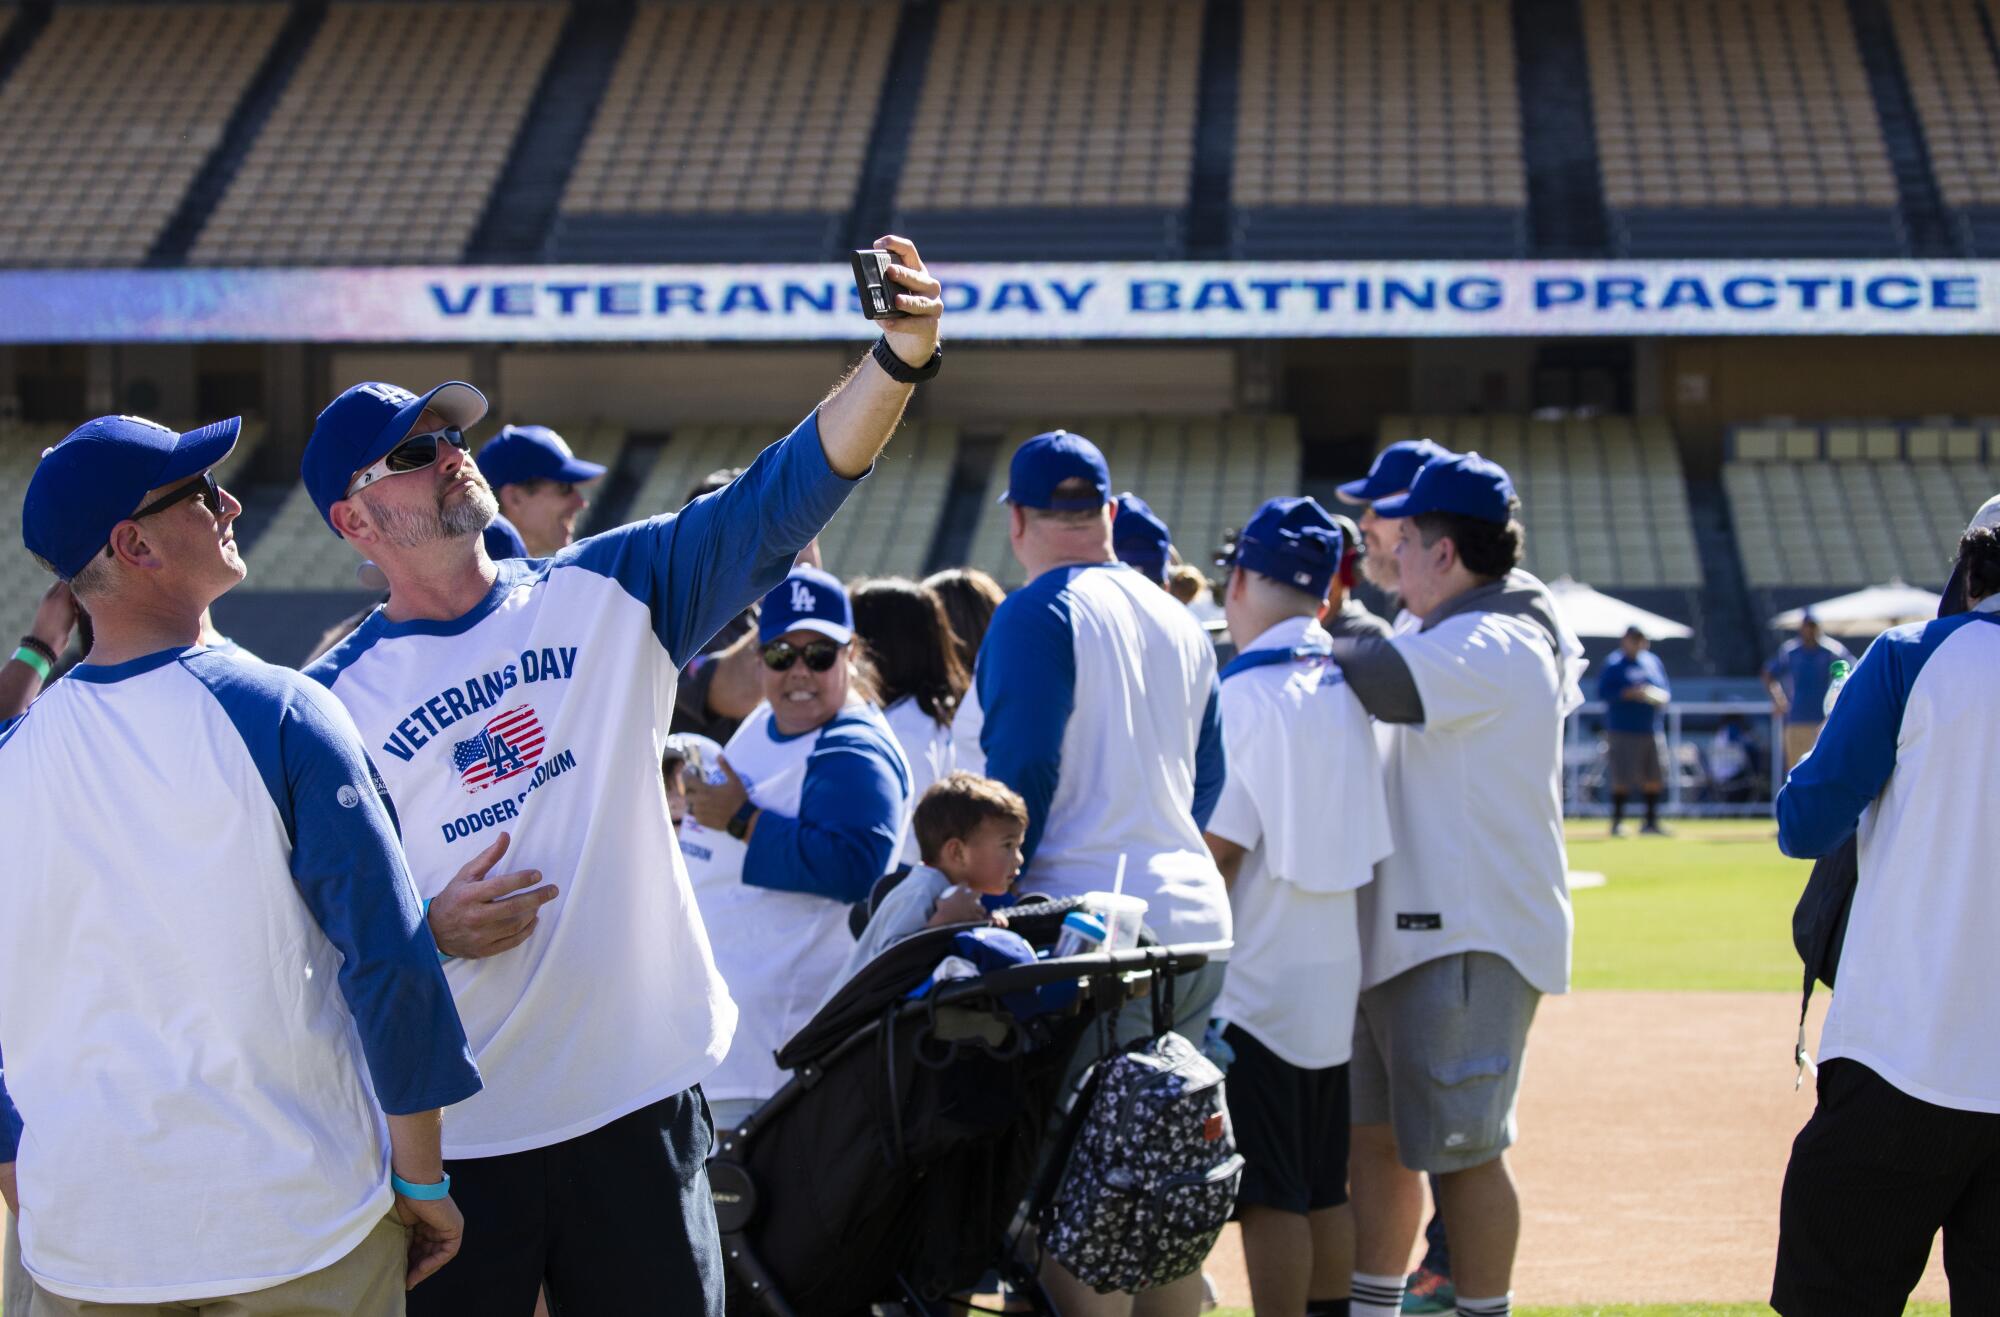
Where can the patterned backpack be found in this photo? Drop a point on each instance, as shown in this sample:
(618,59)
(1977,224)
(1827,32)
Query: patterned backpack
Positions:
(1152,1173)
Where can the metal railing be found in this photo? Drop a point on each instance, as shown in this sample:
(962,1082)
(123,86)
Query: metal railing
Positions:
(1692,789)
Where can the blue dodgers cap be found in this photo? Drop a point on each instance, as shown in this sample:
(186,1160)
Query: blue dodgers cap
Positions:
(99,475)
(807,600)
(1394,471)
(358,429)
(1047,460)
(1294,542)
(1468,485)
(532,452)
(1139,537)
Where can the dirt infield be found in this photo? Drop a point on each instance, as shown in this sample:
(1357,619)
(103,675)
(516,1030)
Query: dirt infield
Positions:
(1654,1132)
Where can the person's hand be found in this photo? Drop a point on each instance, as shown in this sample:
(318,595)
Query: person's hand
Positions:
(713,805)
(9,1192)
(913,338)
(55,617)
(478,916)
(436,1230)
(960,905)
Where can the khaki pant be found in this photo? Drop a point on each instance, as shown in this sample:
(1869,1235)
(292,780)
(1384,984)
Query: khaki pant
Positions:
(1799,741)
(368,1282)
(17,1291)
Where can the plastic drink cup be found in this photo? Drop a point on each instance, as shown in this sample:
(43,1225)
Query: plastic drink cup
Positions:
(1122,915)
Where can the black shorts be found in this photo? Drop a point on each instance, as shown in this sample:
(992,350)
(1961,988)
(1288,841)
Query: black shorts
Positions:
(618,1220)
(1291,1127)
(1874,1176)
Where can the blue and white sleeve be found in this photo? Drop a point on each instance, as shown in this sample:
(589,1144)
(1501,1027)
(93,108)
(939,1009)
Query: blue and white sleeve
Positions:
(849,822)
(1211,758)
(348,864)
(699,567)
(1027,691)
(1821,802)
(10,1120)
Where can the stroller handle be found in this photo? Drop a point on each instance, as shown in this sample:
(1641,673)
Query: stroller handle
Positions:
(1098,965)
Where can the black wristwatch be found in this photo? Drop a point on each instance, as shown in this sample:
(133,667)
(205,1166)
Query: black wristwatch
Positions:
(897,370)
(739,822)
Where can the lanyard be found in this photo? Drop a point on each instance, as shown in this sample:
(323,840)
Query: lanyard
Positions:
(1263,658)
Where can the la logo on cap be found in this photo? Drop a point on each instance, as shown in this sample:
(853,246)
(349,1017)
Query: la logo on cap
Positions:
(803,599)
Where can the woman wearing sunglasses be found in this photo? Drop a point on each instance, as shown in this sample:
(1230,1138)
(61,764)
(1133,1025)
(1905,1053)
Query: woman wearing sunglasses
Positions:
(809,812)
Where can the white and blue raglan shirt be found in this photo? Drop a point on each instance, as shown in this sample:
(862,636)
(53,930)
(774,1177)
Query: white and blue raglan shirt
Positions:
(214,980)
(835,800)
(1101,708)
(543,713)
(1305,799)
(1907,758)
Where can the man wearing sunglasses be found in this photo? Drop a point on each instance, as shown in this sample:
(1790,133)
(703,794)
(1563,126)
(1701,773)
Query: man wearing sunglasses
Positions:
(225,1028)
(538,482)
(527,701)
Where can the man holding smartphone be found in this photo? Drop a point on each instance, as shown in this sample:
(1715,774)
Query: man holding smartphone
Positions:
(528,699)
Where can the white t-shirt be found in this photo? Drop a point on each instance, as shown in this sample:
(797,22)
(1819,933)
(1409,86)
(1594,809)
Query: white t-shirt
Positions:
(782,952)
(968,723)
(543,712)
(1305,799)
(927,748)
(1101,709)
(1908,752)
(213,981)
(1475,805)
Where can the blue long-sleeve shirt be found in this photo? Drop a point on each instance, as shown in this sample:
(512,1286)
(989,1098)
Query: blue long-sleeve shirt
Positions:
(1621,673)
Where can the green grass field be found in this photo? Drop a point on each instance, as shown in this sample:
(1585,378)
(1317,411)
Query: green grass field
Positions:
(1709,908)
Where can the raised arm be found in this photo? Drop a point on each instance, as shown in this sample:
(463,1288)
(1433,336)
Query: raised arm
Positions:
(858,417)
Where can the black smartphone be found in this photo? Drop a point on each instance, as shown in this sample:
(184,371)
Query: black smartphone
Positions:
(871,280)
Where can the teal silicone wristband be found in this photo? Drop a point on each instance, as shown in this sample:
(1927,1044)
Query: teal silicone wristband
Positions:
(423,1193)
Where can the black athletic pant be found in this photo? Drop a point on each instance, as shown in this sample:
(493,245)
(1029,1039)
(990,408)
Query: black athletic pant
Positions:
(616,1221)
(1875,1174)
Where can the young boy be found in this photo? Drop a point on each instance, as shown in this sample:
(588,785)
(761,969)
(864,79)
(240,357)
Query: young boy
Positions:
(969,830)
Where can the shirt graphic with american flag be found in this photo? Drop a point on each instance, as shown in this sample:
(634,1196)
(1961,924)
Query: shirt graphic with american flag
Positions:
(510,743)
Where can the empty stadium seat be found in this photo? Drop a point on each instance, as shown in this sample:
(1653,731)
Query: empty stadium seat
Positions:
(1203,475)
(1908,490)
(1051,126)
(680,165)
(103,127)
(388,138)
(1955,85)
(1738,130)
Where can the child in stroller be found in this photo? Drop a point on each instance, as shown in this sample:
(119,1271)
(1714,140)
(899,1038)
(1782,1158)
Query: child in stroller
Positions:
(892,1164)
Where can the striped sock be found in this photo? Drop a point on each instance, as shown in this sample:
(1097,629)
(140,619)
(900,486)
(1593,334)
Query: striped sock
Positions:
(1500,1307)
(1375,1296)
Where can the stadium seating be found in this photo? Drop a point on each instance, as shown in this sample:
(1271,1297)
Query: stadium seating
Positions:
(1603,499)
(1851,504)
(1378,128)
(679,164)
(22,579)
(388,138)
(1955,84)
(1055,129)
(1202,475)
(104,124)
(1744,130)
(295,551)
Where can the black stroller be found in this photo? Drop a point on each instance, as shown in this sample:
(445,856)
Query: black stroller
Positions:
(892,1166)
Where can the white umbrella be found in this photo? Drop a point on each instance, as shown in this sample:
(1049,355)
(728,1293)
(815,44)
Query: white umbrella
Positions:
(1592,613)
(1866,612)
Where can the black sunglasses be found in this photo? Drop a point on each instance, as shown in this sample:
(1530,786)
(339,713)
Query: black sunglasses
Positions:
(202,487)
(820,655)
(413,454)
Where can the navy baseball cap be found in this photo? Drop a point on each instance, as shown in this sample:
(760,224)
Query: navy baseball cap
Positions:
(99,475)
(1294,542)
(1047,460)
(807,600)
(358,429)
(1468,485)
(1139,537)
(1394,471)
(532,452)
